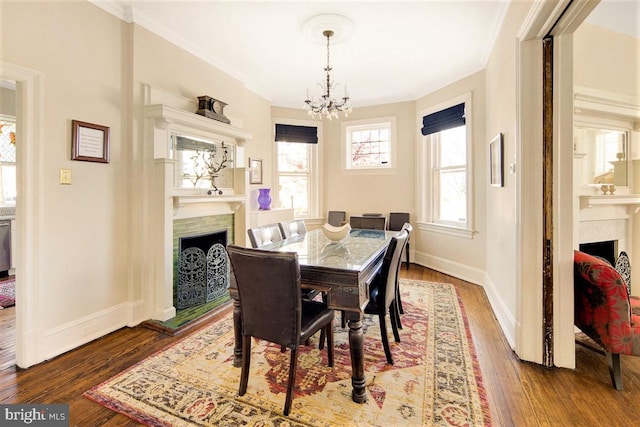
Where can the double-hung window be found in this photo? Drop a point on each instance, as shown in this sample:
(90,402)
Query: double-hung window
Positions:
(444,178)
(297,169)
(7,160)
(369,144)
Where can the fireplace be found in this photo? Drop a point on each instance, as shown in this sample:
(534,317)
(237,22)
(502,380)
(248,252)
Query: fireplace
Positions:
(606,249)
(200,262)
(203,269)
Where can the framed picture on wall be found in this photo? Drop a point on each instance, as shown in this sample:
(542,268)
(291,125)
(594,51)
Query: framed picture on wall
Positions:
(90,142)
(496,161)
(255,171)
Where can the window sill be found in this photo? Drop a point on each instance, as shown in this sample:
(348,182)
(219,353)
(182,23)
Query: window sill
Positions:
(446,229)
(370,171)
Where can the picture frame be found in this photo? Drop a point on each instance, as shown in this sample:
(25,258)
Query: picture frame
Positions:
(90,142)
(255,171)
(496,161)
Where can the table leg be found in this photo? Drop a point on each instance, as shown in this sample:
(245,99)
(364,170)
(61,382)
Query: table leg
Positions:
(356,348)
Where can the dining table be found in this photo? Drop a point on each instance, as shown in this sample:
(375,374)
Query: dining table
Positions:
(343,271)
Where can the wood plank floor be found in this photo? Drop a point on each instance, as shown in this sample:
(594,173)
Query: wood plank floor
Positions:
(520,393)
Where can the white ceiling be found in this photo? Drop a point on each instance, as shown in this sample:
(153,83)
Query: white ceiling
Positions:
(399,50)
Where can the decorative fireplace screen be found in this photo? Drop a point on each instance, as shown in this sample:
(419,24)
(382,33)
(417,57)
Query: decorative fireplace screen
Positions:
(203,269)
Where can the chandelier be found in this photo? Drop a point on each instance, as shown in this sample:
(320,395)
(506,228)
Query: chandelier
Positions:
(326,105)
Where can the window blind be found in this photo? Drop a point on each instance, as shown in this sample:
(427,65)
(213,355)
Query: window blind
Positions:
(291,133)
(442,120)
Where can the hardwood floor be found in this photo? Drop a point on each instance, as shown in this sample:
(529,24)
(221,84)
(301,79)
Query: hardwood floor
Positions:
(519,393)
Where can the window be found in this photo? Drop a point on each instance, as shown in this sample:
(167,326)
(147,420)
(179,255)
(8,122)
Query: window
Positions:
(369,144)
(296,148)
(7,161)
(444,178)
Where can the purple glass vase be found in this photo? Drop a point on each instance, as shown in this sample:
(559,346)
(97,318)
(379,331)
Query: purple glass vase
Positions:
(264,199)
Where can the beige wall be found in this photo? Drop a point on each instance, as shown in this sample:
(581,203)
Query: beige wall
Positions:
(94,66)
(606,60)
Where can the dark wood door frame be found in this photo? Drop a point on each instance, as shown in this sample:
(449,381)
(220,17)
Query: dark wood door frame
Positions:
(547,189)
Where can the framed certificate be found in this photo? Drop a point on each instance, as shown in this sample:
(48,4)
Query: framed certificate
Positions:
(90,142)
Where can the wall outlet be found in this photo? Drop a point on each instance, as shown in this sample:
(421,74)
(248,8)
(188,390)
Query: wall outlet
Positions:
(65,176)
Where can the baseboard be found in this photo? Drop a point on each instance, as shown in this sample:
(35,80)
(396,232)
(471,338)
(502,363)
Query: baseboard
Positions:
(476,276)
(69,336)
(452,268)
(505,318)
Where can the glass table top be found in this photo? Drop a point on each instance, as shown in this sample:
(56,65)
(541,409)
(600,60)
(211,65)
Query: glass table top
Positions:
(354,252)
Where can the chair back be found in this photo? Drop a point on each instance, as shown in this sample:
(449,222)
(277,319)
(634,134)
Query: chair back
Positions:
(601,304)
(408,228)
(336,218)
(390,269)
(368,222)
(261,236)
(292,228)
(268,285)
(397,220)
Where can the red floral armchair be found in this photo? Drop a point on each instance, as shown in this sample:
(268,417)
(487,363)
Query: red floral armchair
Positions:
(605,312)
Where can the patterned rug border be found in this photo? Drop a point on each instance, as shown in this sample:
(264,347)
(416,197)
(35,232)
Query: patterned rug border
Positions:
(277,418)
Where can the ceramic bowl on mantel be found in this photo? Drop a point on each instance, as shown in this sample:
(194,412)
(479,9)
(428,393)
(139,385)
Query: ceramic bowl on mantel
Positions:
(336,234)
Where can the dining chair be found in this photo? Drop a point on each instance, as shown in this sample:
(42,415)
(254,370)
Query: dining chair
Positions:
(278,315)
(336,218)
(292,228)
(383,291)
(368,222)
(409,229)
(267,234)
(397,220)
(264,235)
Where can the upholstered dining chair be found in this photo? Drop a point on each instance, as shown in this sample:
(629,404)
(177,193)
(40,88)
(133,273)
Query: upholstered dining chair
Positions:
(397,220)
(267,234)
(383,291)
(605,312)
(264,235)
(292,228)
(278,315)
(409,229)
(368,222)
(336,218)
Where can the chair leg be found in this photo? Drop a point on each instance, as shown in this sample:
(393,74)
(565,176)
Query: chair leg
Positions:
(406,249)
(343,320)
(293,364)
(385,340)
(246,363)
(329,334)
(399,300)
(395,320)
(322,338)
(613,360)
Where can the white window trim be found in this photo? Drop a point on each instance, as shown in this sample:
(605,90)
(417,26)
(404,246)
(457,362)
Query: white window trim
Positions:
(390,168)
(315,166)
(424,188)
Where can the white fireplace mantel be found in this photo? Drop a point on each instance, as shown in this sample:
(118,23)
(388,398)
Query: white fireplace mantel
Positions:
(168,203)
(589,201)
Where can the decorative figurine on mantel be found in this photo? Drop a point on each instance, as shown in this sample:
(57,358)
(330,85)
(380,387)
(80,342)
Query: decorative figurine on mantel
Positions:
(212,108)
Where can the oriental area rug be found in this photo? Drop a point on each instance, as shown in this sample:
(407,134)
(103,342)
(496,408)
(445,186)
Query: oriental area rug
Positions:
(435,379)
(7,293)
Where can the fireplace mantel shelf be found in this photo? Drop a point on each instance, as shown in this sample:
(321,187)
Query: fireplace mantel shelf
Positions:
(181,199)
(589,201)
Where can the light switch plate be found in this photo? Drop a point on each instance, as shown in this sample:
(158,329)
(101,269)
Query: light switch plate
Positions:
(65,176)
